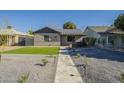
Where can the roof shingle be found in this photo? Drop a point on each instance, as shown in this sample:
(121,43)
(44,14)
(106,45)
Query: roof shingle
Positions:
(61,31)
(98,28)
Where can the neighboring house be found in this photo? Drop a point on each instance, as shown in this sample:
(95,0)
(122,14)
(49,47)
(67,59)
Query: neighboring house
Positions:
(48,36)
(15,38)
(115,37)
(107,36)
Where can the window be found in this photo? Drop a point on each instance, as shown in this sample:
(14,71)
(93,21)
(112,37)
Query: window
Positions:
(55,37)
(122,39)
(111,39)
(46,38)
(71,38)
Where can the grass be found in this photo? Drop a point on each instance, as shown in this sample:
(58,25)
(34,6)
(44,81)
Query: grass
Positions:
(35,50)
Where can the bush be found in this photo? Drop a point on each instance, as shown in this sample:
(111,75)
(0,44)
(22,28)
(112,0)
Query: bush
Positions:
(122,78)
(89,41)
(23,78)
(44,61)
(78,55)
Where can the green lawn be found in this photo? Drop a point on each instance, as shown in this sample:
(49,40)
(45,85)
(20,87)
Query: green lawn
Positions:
(35,50)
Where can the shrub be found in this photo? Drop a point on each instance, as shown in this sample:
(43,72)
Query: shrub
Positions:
(78,55)
(122,77)
(23,78)
(89,41)
(44,61)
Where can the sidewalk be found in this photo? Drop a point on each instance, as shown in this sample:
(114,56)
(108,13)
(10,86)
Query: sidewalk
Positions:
(66,71)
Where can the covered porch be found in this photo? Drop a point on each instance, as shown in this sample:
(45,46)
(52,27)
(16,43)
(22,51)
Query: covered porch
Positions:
(8,40)
(113,40)
(11,37)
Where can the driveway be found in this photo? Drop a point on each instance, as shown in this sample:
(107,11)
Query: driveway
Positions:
(102,65)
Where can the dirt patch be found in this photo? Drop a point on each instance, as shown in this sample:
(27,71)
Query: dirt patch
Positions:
(14,66)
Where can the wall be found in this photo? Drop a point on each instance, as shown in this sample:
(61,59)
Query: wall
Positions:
(64,41)
(90,33)
(16,40)
(39,39)
(29,41)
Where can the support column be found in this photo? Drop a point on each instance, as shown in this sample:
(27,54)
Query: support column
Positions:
(119,41)
(107,40)
(7,40)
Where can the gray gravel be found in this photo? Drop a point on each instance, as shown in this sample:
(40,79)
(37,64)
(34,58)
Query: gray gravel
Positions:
(14,66)
(103,66)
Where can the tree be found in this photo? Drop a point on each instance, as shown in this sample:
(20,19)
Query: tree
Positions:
(69,25)
(119,22)
(3,41)
(89,41)
(30,31)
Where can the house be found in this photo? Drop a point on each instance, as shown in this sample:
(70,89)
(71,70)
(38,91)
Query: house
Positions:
(115,37)
(48,36)
(13,37)
(107,36)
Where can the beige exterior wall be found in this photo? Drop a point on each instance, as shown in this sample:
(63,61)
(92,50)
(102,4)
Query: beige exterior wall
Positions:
(39,39)
(16,40)
(9,40)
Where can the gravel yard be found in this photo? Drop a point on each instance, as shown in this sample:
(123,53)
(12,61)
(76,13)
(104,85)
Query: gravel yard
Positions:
(103,66)
(14,66)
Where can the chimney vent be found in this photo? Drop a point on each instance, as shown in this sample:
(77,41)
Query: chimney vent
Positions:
(9,27)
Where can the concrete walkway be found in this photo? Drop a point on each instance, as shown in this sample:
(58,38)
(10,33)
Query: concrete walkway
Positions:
(66,71)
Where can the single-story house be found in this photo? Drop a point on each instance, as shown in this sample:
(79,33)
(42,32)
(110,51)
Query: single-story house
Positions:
(48,36)
(12,37)
(107,36)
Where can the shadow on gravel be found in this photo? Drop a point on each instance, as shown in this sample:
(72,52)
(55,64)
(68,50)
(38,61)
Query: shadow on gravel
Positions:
(98,71)
(41,65)
(100,54)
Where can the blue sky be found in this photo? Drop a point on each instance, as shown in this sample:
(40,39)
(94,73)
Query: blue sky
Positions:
(23,20)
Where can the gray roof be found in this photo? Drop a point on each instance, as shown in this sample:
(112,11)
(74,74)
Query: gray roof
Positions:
(106,29)
(61,31)
(70,31)
(113,30)
(98,28)
(12,31)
